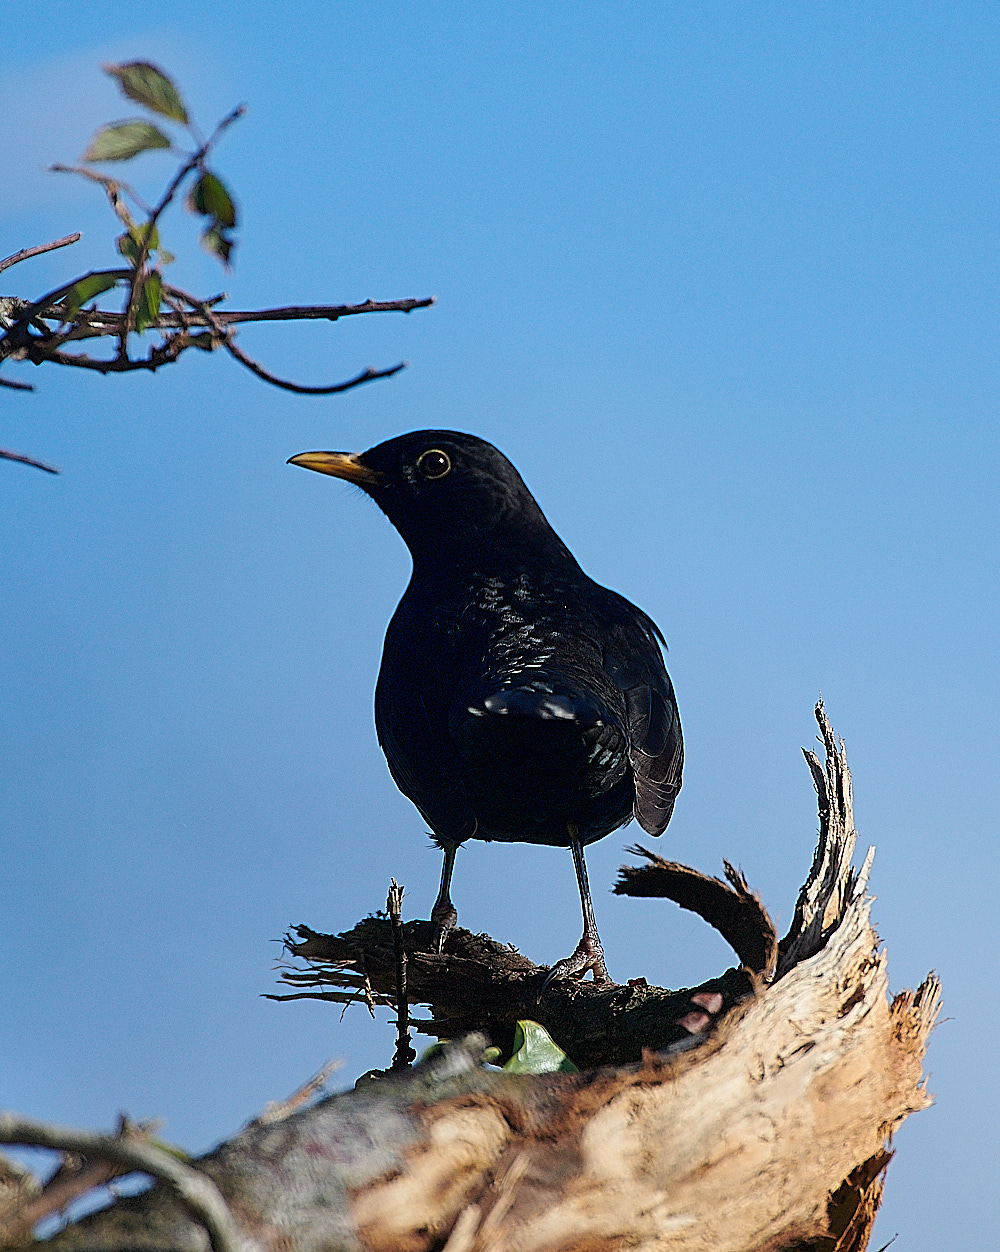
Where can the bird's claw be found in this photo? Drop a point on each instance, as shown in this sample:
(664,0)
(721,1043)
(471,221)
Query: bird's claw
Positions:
(445,919)
(588,955)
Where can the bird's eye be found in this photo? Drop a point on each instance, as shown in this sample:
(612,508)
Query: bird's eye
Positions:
(434,463)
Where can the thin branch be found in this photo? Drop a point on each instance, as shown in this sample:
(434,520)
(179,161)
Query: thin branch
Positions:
(366,376)
(16,1225)
(329,313)
(36,310)
(19,456)
(138,271)
(280,1110)
(107,322)
(404,1053)
(17,257)
(19,343)
(114,189)
(195,1190)
(162,354)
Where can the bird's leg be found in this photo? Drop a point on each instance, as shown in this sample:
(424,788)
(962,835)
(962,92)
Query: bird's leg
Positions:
(588,954)
(444,915)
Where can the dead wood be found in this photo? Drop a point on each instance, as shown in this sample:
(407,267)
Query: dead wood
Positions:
(767,1130)
(484,986)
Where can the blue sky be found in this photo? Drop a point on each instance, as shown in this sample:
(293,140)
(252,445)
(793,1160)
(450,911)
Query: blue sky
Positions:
(721,280)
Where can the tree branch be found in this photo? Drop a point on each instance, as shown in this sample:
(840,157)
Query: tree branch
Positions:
(146,230)
(20,342)
(17,257)
(20,456)
(194,1189)
(366,376)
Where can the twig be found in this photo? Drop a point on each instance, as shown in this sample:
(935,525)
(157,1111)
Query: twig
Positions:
(147,228)
(108,322)
(17,257)
(328,313)
(404,1054)
(114,189)
(161,355)
(19,343)
(225,337)
(278,1110)
(195,1190)
(17,1224)
(19,456)
(366,376)
(36,310)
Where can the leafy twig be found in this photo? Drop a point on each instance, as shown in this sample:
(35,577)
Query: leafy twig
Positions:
(196,161)
(39,330)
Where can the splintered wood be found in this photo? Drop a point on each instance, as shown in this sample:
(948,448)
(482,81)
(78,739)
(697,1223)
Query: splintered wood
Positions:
(739,1145)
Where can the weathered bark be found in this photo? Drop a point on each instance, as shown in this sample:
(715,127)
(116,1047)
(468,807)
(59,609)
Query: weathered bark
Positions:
(765,1125)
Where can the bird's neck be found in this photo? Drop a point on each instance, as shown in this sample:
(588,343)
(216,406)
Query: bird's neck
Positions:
(504,552)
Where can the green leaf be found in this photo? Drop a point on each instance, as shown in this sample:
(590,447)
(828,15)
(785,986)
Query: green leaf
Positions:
(209,196)
(148,305)
(536,1052)
(124,140)
(128,247)
(216,241)
(129,244)
(432,1050)
(87,288)
(165,257)
(148,85)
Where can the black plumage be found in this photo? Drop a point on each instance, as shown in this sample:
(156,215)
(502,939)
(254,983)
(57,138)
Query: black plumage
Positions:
(518,700)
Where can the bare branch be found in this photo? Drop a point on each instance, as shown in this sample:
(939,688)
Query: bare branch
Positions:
(280,1110)
(20,456)
(330,313)
(17,257)
(195,1190)
(94,322)
(18,1221)
(162,354)
(366,376)
(404,1054)
(6,382)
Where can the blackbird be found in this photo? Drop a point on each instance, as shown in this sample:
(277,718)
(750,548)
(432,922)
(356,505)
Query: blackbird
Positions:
(518,700)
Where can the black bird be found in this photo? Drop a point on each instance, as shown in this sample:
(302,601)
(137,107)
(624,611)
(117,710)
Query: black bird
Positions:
(518,700)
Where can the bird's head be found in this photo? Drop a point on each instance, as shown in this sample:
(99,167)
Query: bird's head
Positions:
(446,493)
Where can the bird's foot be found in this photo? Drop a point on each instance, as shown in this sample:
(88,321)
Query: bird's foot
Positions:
(444,915)
(588,955)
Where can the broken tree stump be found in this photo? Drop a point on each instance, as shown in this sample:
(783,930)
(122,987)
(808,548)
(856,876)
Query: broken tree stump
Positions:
(754,1114)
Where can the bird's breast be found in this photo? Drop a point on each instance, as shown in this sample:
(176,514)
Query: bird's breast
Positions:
(505,677)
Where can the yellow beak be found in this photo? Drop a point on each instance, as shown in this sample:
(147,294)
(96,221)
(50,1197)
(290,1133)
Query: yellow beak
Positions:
(339,464)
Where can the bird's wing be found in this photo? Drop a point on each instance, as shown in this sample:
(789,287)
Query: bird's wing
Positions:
(634,662)
(543,701)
